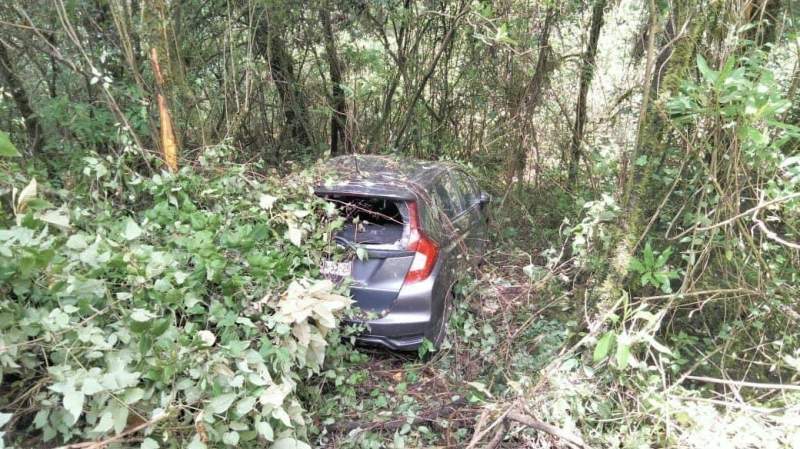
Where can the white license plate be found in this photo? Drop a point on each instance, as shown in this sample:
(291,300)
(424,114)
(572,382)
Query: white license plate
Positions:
(336,269)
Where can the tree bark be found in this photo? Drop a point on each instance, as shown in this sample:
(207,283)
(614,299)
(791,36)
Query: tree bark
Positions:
(271,45)
(587,73)
(399,142)
(340,138)
(540,79)
(21,100)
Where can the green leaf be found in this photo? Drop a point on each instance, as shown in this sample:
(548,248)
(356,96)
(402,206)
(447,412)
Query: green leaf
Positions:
(77,242)
(133,395)
(132,230)
(636,265)
(265,430)
(289,443)
(41,418)
(658,346)
(281,415)
(7,149)
(649,257)
(73,403)
(603,346)
(294,234)
(245,405)
(790,161)
(196,443)
(361,253)
(120,413)
(666,287)
(623,355)
(141,315)
(149,443)
(105,424)
(222,403)
(705,70)
(231,438)
(663,258)
(57,218)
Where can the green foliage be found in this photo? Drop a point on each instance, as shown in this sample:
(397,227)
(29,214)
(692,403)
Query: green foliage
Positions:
(653,268)
(7,149)
(190,301)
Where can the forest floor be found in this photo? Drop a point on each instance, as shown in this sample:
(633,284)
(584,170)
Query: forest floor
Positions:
(504,328)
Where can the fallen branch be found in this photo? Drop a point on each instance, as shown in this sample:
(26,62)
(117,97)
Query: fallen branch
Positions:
(497,438)
(571,439)
(741,383)
(115,438)
(753,210)
(443,412)
(745,407)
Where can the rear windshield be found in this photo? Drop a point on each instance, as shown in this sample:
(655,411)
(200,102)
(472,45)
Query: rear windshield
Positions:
(379,222)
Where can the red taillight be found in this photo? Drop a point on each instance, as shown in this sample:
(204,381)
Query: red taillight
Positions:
(425,250)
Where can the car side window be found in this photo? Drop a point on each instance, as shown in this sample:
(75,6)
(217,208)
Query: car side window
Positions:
(430,213)
(449,196)
(467,187)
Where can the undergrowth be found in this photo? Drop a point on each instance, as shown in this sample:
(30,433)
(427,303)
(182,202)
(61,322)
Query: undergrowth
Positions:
(188,304)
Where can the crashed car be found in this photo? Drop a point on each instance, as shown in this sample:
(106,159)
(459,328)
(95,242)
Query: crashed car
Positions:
(414,227)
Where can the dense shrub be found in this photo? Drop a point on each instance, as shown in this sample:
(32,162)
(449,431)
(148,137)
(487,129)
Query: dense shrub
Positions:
(179,307)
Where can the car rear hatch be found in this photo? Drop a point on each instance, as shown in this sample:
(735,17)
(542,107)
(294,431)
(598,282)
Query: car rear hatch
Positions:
(385,233)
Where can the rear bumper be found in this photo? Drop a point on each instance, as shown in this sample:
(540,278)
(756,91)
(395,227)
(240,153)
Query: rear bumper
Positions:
(413,316)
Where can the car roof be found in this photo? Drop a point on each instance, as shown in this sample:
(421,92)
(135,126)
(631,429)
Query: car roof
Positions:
(385,176)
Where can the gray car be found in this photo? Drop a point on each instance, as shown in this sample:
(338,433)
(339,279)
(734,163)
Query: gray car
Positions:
(416,226)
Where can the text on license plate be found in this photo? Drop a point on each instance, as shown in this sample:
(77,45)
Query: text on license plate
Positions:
(339,269)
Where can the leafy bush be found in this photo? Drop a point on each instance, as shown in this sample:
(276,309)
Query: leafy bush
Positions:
(182,305)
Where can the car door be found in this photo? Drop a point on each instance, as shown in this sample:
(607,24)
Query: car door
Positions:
(474,222)
(458,217)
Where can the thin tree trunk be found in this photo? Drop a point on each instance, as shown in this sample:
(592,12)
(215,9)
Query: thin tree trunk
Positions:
(169,146)
(21,100)
(271,45)
(537,84)
(587,73)
(446,41)
(340,139)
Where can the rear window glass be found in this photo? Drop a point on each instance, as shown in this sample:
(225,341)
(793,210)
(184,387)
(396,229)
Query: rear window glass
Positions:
(370,221)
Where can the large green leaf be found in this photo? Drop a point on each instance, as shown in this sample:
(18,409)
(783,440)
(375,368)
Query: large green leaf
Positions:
(289,443)
(708,74)
(623,355)
(132,230)
(603,346)
(7,149)
(73,403)
(221,403)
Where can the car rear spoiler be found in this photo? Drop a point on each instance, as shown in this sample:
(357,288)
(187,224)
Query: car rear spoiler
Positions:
(388,192)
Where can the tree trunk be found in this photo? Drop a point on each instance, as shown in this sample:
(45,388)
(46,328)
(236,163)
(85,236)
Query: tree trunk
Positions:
(641,187)
(340,139)
(271,45)
(447,40)
(21,100)
(587,73)
(540,78)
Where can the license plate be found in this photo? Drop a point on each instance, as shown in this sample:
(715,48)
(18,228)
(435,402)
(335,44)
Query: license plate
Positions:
(333,269)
